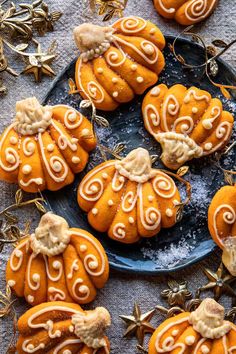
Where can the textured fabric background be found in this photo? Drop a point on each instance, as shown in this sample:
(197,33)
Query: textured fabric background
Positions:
(122,290)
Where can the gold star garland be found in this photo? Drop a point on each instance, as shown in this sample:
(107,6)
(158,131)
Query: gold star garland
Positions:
(20,23)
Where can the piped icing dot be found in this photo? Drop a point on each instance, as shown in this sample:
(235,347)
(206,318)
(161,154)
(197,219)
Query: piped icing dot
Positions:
(189,340)
(153,116)
(26,169)
(140,79)
(11,282)
(114,80)
(150,198)
(208,146)
(67,351)
(186,99)
(94,188)
(104,175)
(50,147)
(115,94)
(83,289)
(148,49)
(131,220)
(75,159)
(56,264)
(121,179)
(110,202)
(72,117)
(10,158)
(204,349)
(152,31)
(94,211)
(83,248)
(93,265)
(134,67)
(153,216)
(36,277)
(30,299)
(155,91)
(175,332)
(57,166)
(169,212)
(71,329)
(175,202)
(13,140)
(85,132)
(100,70)
(194,110)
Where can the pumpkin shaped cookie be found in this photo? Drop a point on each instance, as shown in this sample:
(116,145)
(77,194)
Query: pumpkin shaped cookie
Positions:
(203,331)
(185,12)
(44,146)
(128,198)
(119,61)
(57,263)
(188,123)
(63,328)
(222,224)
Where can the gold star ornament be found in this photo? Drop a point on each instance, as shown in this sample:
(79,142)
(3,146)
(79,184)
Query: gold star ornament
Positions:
(138,324)
(39,64)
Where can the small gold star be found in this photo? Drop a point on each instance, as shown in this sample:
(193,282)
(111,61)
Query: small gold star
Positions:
(138,324)
(219,282)
(39,65)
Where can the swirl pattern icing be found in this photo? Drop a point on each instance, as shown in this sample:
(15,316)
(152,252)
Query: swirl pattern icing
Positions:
(61,327)
(186,12)
(45,146)
(57,263)
(222,224)
(118,62)
(203,331)
(188,123)
(129,199)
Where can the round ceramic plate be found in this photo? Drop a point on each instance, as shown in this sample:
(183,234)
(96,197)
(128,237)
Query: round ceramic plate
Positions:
(189,241)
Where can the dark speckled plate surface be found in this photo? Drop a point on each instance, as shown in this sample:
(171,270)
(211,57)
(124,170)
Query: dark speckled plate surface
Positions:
(189,241)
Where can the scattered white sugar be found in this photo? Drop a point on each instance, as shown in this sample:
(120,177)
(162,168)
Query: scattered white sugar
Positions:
(171,255)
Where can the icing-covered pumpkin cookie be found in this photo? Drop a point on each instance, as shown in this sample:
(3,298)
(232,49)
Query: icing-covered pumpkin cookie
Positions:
(63,328)
(222,224)
(203,331)
(129,199)
(186,12)
(44,146)
(188,123)
(57,263)
(118,62)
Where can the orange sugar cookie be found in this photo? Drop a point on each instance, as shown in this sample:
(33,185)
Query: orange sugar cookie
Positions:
(188,123)
(222,224)
(185,12)
(203,331)
(129,199)
(44,146)
(57,263)
(119,61)
(61,327)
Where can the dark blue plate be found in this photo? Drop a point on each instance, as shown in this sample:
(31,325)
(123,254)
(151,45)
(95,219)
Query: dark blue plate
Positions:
(189,241)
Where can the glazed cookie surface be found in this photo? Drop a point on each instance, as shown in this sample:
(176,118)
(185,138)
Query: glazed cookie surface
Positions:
(57,263)
(60,327)
(119,61)
(185,12)
(128,198)
(222,224)
(44,146)
(203,331)
(188,123)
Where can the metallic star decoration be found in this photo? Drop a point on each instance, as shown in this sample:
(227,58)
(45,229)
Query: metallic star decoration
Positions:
(138,324)
(219,282)
(39,64)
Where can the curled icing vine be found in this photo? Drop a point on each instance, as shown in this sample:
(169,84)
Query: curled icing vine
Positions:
(210,65)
